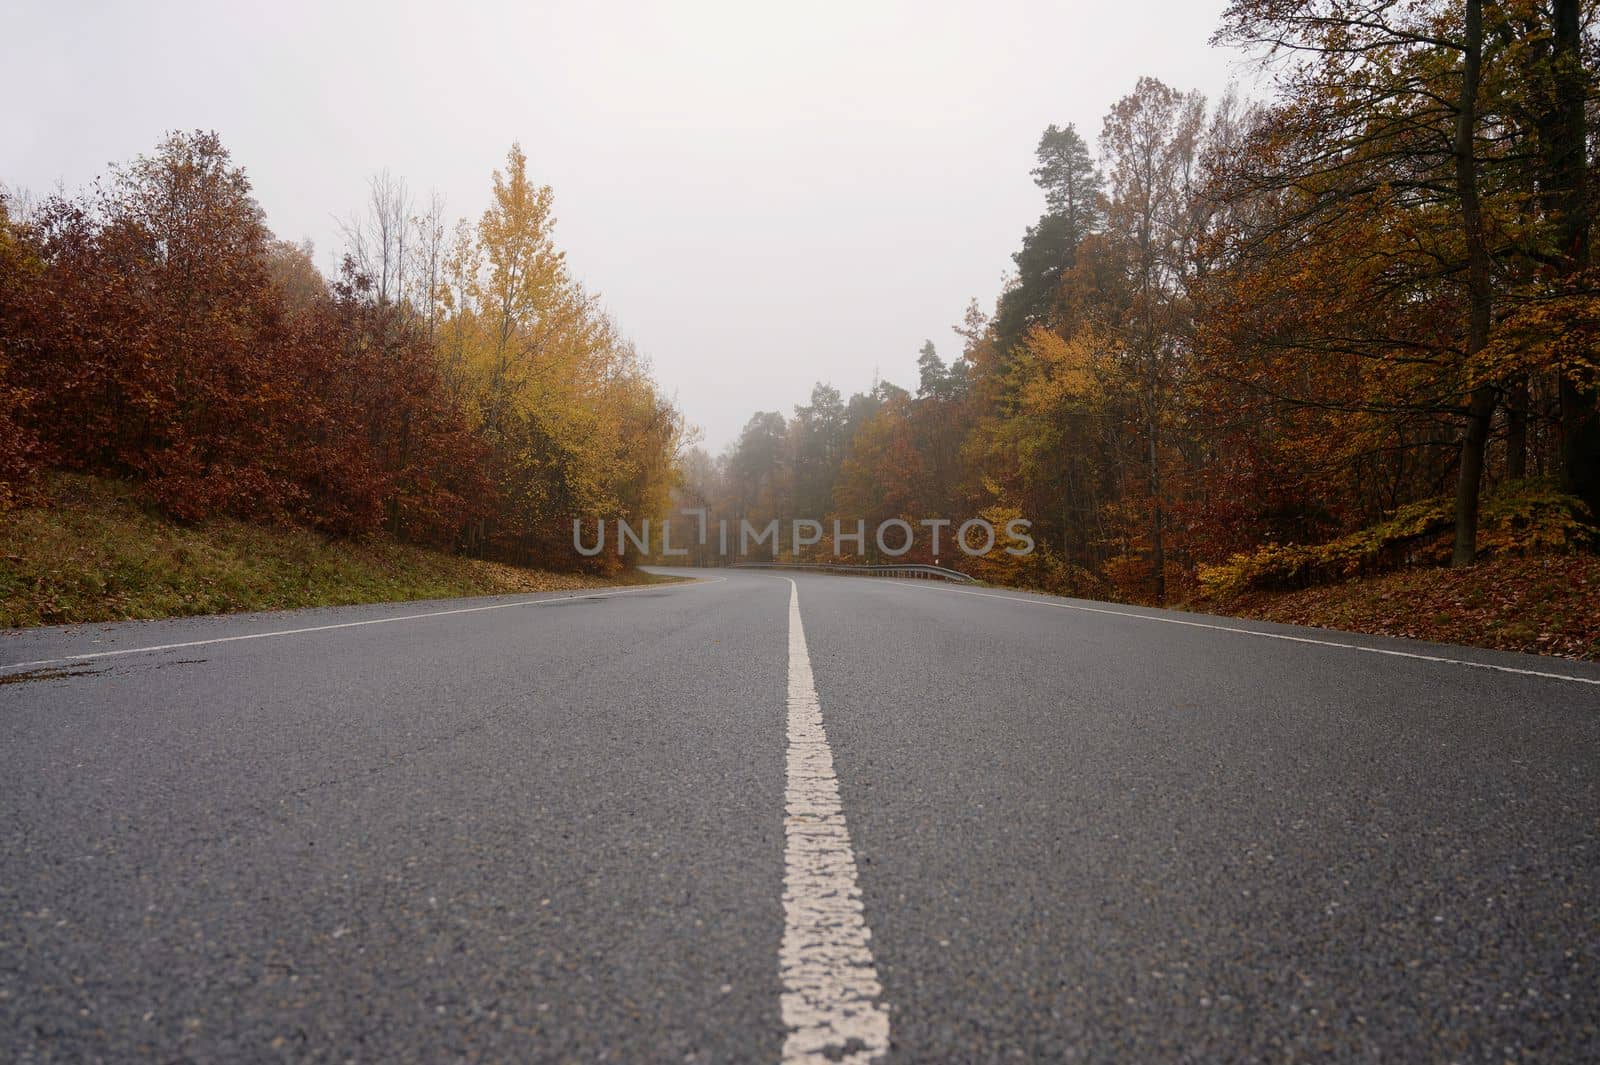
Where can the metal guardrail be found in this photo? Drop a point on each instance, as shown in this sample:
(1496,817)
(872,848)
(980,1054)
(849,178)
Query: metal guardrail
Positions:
(908,570)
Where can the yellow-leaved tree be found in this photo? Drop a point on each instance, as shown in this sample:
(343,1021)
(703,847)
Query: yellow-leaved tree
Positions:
(576,425)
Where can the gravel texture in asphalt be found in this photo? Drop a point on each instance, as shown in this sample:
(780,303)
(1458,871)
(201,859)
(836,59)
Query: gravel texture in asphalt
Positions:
(555,831)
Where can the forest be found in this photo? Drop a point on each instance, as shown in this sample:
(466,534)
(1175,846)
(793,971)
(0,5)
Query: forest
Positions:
(1342,324)
(1344,327)
(454,386)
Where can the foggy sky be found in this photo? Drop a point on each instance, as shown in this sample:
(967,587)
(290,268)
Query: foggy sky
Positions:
(765,195)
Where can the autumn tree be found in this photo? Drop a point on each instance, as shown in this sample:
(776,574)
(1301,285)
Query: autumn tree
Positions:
(1152,142)
(573,423)
(377,240)
(1398,112)
(758,470)
(817,447)
(1072,186)
(21,452)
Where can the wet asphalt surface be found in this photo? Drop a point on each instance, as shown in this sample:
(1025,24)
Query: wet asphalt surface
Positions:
(555,833)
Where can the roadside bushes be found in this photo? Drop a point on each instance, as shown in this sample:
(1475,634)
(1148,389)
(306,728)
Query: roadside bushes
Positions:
(19,447)
(143,335)
(468,394)
(1530,517)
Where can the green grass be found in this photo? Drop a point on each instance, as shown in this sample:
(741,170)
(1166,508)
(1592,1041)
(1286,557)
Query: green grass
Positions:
(92,551)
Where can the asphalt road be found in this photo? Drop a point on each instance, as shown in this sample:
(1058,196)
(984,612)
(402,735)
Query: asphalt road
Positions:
(609,828)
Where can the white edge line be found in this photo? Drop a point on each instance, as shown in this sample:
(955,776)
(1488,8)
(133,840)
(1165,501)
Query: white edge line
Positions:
(1038,601)
(343,625)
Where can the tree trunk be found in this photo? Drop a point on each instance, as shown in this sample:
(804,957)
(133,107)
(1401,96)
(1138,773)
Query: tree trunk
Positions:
(1158,553)
(1479,294)
(1580,443)
(1517,429)
(1566,180)
(1470,477)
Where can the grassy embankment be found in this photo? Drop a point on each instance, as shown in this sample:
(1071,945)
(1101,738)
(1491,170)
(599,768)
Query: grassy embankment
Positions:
(92,551)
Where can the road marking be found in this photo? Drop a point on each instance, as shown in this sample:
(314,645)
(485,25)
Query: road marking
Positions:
(340,625)
(1279,636)
(830,984)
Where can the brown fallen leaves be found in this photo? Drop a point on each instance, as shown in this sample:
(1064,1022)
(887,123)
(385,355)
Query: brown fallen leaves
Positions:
(1542,605)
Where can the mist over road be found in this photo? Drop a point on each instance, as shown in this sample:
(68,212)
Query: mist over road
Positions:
(778,817)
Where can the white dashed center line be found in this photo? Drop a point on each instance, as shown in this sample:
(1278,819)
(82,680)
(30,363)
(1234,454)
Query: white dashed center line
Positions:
(830,984)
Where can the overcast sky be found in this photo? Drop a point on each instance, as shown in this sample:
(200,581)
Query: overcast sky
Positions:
(765,195)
